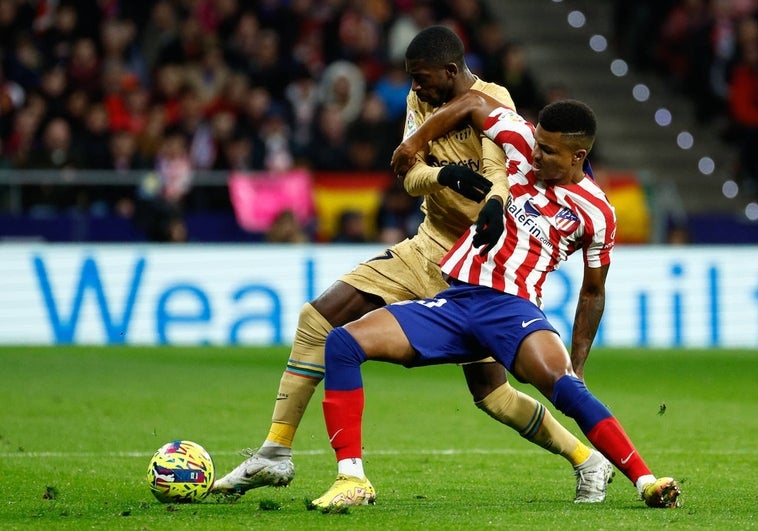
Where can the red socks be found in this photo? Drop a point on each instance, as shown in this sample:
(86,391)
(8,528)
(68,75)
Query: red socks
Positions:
(343,413)
(610,438)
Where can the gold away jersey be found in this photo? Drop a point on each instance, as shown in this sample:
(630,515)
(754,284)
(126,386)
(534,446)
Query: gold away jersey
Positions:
(409,269)
(448,214)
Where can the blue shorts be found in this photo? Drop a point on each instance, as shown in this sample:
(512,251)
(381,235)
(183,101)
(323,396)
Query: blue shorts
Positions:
(467,323)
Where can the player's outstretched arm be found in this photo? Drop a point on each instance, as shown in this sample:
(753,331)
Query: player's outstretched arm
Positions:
(472,107)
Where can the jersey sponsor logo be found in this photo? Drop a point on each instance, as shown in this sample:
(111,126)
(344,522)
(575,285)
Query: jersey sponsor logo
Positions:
(531,210)
(524,324)
(527,216)
(470,163)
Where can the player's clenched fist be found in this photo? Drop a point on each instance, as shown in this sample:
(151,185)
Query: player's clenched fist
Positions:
(465,181)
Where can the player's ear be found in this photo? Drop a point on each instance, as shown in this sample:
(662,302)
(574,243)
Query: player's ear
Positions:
(579,156)
(451,69)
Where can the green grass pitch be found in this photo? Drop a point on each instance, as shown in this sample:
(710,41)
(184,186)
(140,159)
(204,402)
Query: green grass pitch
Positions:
(78,426)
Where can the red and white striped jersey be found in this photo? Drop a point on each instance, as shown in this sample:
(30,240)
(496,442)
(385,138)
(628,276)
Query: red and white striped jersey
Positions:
(543,224)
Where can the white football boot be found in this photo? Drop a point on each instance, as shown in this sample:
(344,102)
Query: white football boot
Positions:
(256,471)
(592,478)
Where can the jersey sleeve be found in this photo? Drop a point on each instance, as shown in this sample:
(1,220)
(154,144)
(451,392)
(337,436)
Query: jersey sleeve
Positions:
(493,167)
(506,128)
(421,179)
(600,243)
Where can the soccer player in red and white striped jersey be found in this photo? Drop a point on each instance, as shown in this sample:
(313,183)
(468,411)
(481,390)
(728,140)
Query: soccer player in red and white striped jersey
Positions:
(545,221)
(493,304)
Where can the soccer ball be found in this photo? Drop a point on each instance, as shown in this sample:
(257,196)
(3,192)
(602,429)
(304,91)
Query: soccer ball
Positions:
(180,472)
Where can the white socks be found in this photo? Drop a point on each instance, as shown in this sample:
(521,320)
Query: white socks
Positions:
(351,467)
(644,480)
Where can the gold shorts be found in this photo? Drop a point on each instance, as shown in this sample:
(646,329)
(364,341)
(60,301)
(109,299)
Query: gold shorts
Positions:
(402,273)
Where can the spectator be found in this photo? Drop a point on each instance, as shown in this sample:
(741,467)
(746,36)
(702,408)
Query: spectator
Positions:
(405,26)
(22,136)
(267,65)
(232,95)
(186,47)
(210,75)
(149,140)
(15,19)
(161,29)
(169,82)
(392,88)
(344,89)
(123,161)
(75,110)
(53,87)
(286,229)
(162,193)
(399,215)
(24,62)
(373,137)
(301,95)
(57,153)
(513,72)
(743,105)
(94,139)
(276,136)
(351,227)
(242,41)
(237,154)
(58,42)
(84,67)
(117,39)
(12,97)
(674,46)
(328,149)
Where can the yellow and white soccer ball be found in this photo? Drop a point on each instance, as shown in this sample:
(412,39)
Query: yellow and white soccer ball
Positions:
(180,472)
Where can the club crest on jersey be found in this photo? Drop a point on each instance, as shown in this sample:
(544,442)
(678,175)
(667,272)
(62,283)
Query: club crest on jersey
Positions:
(461,135)
(566,220)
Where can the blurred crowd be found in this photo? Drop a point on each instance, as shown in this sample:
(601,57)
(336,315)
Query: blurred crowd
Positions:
(170,88)
(707,51)
(174,87)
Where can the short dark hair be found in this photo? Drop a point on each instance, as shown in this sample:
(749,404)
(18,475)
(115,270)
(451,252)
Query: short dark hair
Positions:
(569,117)
(437,46)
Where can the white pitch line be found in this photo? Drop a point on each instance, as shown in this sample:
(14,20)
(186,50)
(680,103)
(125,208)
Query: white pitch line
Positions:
(440,452)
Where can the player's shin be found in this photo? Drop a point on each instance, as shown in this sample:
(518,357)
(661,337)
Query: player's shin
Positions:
(343,415)
(343,398)
(572,397)
(533,422)
(304,371)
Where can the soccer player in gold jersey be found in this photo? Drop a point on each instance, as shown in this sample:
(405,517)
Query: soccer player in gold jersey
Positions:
(447,175)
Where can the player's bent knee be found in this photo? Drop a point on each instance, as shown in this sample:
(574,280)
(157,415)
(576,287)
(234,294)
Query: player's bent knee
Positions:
(483,377)
(311,324)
